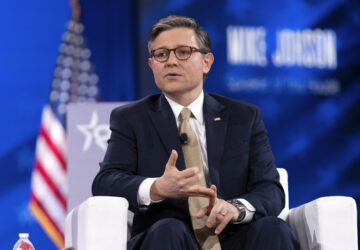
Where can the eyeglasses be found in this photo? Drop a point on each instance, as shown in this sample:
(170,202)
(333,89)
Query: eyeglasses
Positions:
(182,53)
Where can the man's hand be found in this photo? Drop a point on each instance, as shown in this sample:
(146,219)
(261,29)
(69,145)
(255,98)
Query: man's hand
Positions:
(178,184)
(219,211)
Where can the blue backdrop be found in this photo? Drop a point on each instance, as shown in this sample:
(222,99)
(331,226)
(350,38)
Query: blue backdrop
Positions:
(297,60)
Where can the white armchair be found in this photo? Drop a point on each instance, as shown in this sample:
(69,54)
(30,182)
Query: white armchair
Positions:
(325,223)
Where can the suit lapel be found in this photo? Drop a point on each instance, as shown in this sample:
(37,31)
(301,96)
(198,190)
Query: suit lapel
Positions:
(216,121)
(165,124)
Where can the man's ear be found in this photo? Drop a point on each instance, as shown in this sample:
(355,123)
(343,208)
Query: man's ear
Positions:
(208,61)
(150,63)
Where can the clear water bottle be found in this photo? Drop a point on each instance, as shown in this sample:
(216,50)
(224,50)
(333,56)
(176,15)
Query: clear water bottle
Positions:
(23,243)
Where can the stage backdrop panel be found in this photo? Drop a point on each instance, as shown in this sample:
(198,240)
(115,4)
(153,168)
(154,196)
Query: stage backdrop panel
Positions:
(88,132)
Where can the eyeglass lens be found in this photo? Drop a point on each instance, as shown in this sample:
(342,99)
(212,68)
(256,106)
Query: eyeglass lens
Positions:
(181,53)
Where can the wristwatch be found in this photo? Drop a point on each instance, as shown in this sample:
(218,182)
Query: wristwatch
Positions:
(240,207)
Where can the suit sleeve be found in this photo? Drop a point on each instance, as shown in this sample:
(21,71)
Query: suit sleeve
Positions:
(117,175)
(264,191)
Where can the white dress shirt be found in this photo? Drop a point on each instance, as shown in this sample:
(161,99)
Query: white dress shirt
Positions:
(197,123)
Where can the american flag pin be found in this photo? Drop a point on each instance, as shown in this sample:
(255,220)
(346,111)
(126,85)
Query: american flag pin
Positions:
(217,119)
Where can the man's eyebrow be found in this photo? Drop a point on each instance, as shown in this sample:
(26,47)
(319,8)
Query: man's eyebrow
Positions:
(162,47)
(177,46)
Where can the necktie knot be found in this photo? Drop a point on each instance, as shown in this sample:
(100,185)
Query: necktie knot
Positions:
(185,114)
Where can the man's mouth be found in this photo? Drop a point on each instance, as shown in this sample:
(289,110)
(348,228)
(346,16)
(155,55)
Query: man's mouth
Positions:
(172,75)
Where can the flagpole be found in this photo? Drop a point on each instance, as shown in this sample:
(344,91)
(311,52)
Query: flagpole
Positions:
(76,13)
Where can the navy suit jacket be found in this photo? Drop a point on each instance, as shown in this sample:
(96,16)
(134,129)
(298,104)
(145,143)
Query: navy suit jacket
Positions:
(240,160)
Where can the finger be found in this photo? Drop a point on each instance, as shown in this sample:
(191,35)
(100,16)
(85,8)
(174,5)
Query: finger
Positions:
(214,213)
(214,197)
(172,159)
(202,212)
(200,191)
(190,181)
(211,221)
(189,172)
(220,207)
(225,220)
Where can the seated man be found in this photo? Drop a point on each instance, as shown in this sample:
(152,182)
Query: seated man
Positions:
(196,168)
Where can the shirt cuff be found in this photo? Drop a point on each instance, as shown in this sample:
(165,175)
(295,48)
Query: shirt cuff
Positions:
(143,196)
(250,211)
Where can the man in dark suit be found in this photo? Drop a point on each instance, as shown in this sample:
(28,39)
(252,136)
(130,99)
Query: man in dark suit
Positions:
(145,161)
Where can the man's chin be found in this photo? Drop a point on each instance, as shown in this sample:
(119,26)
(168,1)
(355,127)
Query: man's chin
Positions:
(173,87)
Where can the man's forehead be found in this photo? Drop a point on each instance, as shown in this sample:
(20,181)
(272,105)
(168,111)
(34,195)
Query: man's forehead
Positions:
(176,37)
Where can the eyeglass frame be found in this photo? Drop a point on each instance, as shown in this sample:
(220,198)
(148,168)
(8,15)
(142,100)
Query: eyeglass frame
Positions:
(192,49)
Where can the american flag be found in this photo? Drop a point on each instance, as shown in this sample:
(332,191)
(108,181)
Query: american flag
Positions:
(74,81)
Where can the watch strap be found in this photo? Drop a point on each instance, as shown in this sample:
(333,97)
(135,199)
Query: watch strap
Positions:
(240,207)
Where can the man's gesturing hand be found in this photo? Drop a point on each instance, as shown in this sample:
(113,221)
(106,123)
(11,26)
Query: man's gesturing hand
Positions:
(178,184)
(219,211)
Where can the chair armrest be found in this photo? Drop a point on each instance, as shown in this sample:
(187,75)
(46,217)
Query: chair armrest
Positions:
(326,223)
(284,183)
(98,223)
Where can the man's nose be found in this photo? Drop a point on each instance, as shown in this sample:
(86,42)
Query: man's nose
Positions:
(172,58)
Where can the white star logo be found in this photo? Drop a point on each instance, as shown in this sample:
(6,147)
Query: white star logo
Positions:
(93,131)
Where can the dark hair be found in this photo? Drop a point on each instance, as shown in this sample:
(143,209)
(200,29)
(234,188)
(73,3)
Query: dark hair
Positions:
(173,21)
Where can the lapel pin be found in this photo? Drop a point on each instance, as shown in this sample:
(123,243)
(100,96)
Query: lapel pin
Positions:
(217,119)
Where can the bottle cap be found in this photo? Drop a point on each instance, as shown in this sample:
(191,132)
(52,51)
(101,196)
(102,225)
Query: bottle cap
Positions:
(23,235)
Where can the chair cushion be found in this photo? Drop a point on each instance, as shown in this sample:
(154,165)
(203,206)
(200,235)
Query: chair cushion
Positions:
(326,223)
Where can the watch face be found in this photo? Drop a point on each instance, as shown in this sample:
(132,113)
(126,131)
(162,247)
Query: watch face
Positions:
(242,214)
(240,207)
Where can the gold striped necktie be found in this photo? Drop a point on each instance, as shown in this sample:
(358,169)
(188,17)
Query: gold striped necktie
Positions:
(205,236)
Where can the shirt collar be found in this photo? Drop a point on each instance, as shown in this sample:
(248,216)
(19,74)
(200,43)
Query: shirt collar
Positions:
(196,107)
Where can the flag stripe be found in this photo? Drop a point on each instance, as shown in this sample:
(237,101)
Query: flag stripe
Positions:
(49,202)
(45,220)
(51,165)
(53,148)
(51,184)
(55,130)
